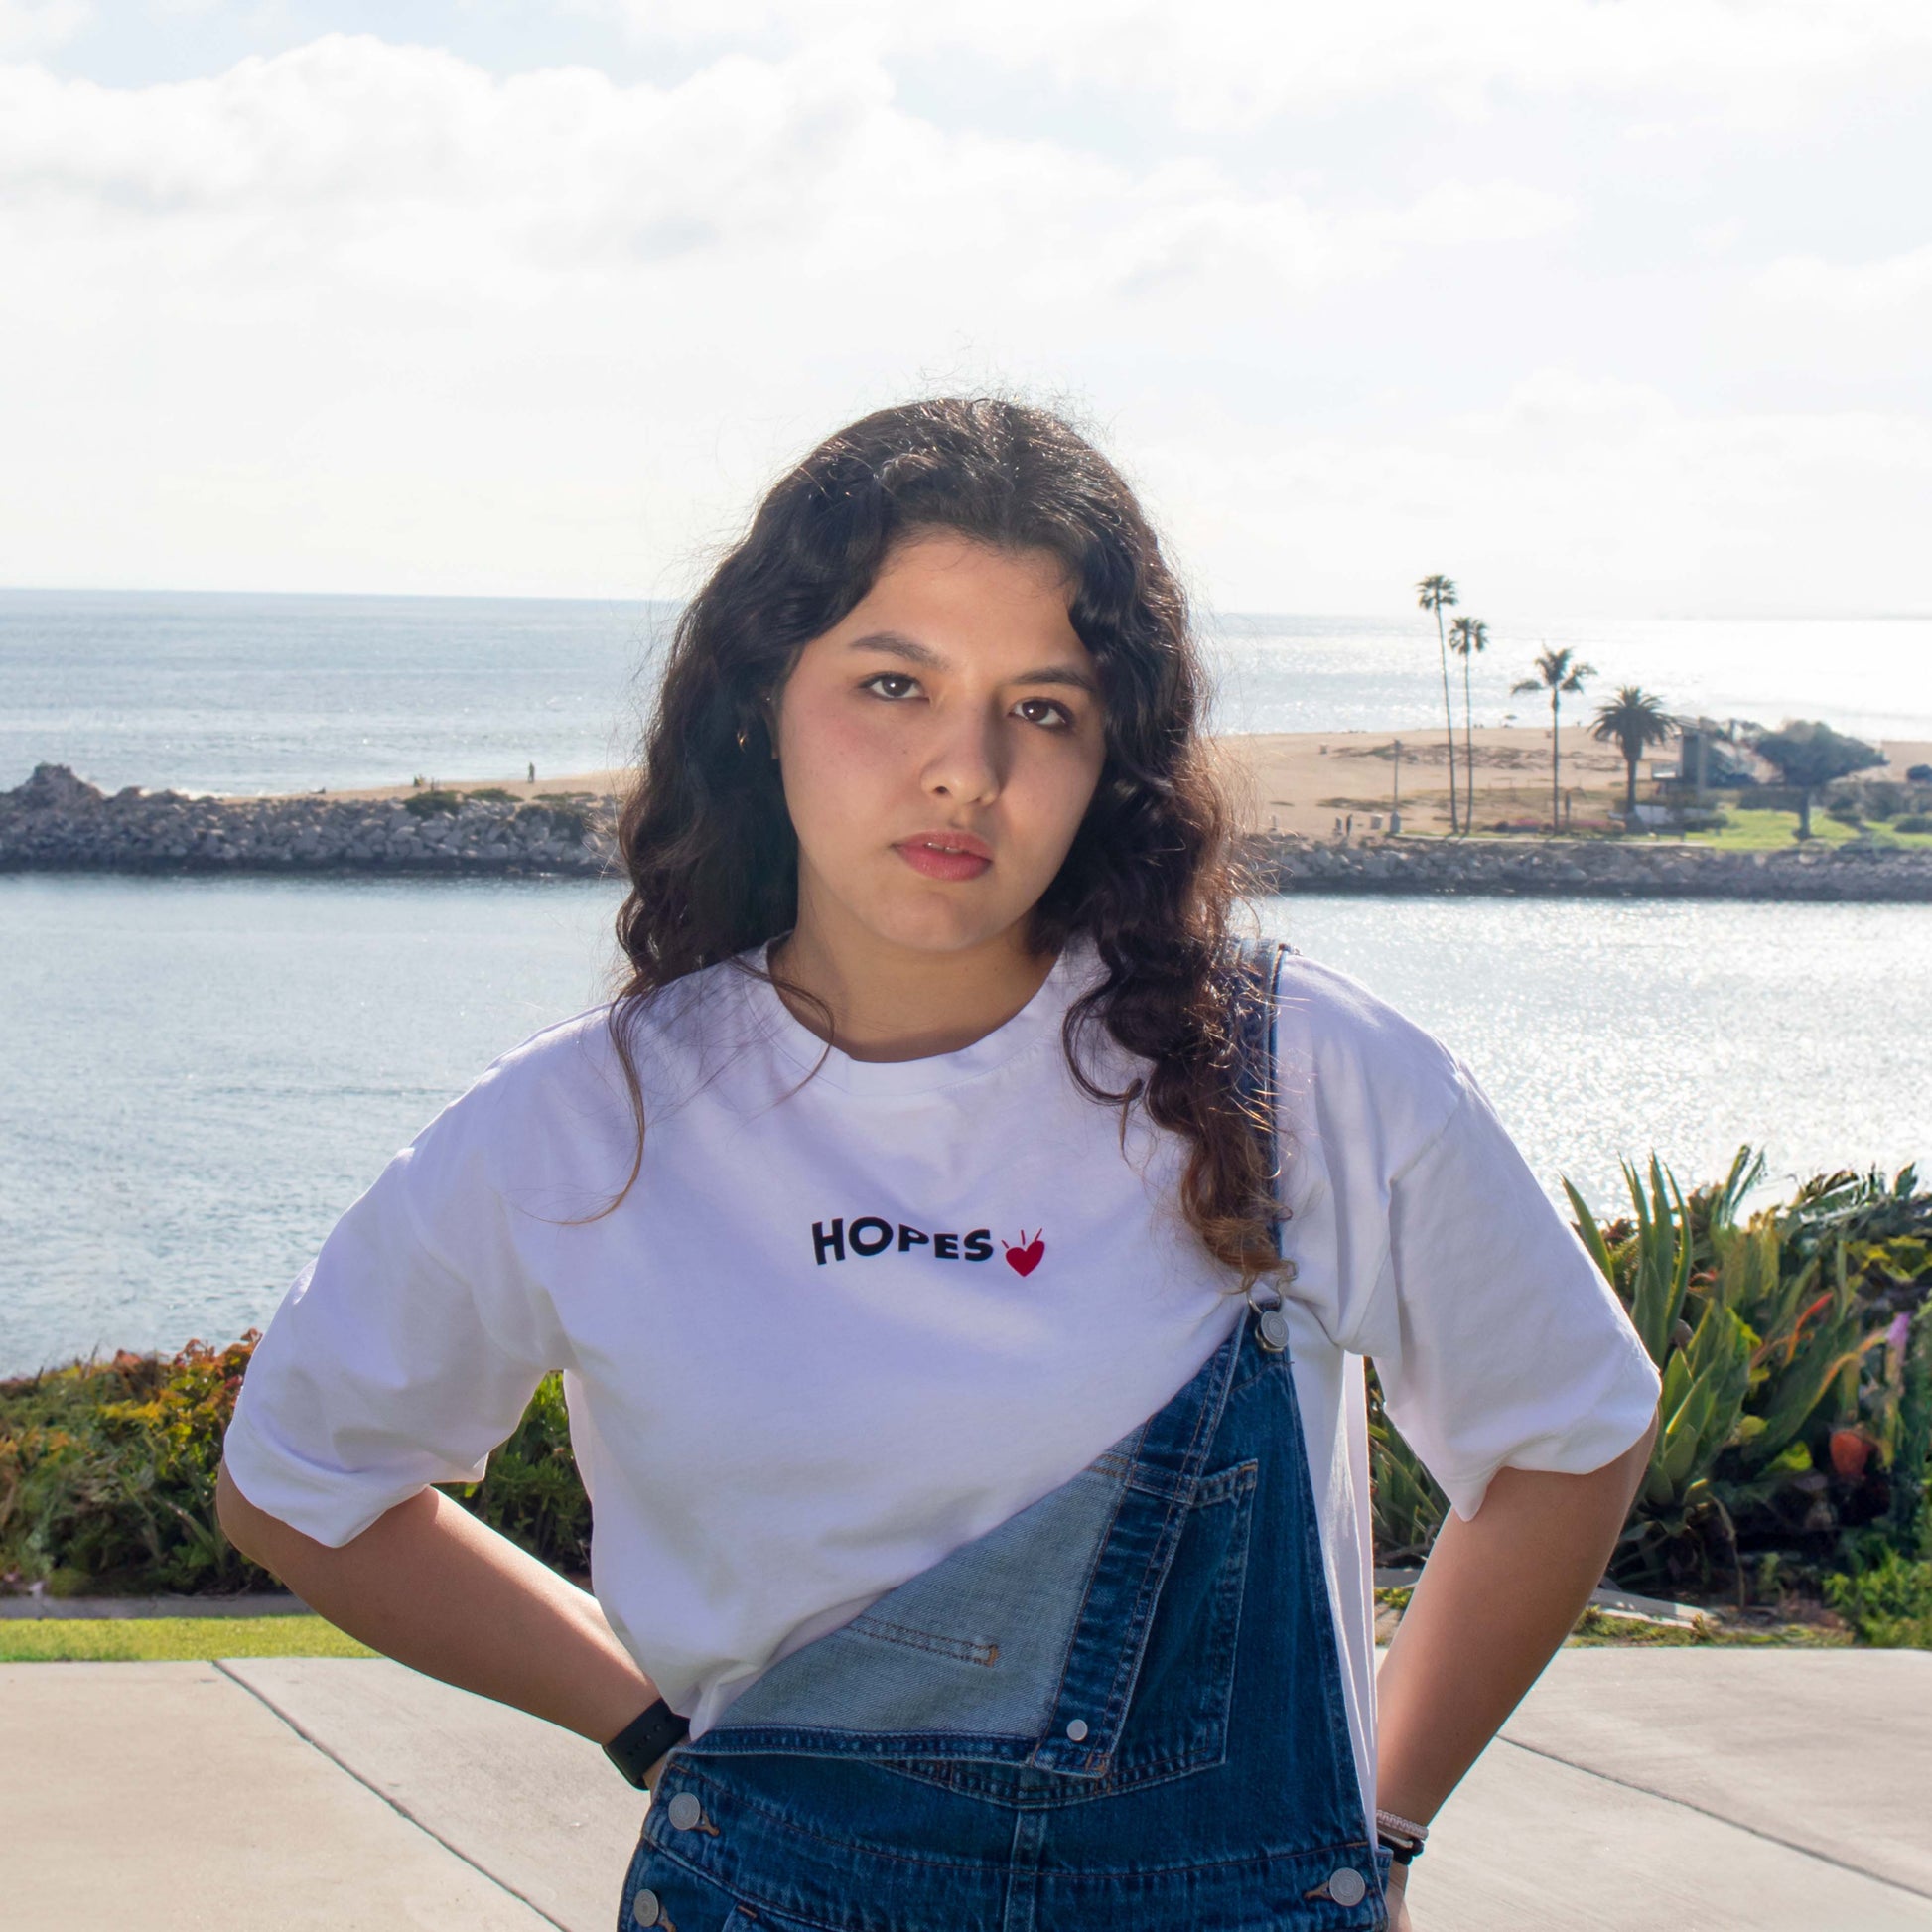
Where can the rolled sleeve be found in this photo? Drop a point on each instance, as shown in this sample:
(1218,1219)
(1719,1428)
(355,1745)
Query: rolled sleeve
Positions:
(405,1351)
(1497,1341)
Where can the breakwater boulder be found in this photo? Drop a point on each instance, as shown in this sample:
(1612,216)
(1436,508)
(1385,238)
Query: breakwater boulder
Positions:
(1592,869)
(57,822)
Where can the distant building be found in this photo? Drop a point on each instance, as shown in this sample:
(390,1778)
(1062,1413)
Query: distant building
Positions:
(1711,755)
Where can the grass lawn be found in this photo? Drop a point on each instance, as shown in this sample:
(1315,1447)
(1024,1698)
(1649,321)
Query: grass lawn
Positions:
(172,1639)
(1598,1627)
(1754,830)
(1595,1628)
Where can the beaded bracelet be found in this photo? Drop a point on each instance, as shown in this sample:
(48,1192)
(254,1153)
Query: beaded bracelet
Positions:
(1403,1836)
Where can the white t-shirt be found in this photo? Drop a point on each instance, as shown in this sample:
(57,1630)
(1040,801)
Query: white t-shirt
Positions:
(854,1313)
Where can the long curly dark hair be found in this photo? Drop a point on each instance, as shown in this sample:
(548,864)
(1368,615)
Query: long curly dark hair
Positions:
(708,843)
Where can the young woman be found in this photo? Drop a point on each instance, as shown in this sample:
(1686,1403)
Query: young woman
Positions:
(960,1258)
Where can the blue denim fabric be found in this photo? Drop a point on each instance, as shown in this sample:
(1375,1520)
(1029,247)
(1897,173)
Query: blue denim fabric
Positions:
(1121,1708)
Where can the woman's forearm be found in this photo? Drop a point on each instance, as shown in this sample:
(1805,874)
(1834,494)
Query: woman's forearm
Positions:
(430,1586)
(1497,1598)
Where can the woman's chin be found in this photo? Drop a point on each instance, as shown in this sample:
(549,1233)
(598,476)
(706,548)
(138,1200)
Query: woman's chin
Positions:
(939,927)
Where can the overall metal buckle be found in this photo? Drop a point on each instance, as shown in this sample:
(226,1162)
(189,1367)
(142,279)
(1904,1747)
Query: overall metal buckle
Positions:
(1271,1323)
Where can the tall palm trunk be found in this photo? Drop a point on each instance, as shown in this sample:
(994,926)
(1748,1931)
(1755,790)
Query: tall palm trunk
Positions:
(1630,788)
(1556,763)
(1468,743)
(1449,718)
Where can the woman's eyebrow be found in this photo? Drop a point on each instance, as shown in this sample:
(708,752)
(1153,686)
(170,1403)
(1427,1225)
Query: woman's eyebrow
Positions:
(895,643)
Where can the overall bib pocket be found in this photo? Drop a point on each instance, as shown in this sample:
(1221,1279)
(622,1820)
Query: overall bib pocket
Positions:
(1177,1718)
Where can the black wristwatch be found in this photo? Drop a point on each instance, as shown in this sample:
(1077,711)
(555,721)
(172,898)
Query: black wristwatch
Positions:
(645,1739)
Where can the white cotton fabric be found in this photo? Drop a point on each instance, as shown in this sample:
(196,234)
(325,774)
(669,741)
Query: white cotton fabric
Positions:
(772,1439)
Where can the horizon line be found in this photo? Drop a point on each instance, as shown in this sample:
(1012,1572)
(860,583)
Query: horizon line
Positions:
(1208,611)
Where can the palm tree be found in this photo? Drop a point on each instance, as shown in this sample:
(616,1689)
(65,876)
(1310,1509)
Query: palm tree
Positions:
(1433,593)
(1467,636)
(1556,672)
(1634,721)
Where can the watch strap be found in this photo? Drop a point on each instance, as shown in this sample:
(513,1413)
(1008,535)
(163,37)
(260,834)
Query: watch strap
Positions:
(645,1739)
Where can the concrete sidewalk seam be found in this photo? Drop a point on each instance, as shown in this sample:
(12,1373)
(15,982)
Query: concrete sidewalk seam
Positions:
(402,1810)
(1717,1816)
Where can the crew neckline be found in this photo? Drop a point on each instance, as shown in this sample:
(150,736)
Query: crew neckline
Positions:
(1036,1024)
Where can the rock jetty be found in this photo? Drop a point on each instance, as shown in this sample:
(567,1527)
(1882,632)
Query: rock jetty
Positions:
(1593,869)
(57,822)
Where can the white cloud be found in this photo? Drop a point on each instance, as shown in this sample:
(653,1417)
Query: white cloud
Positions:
(348,139)
(1845,321)
(356,300)
(1898,282)
(363,316)
(1240,60)
(1575,495)
(32,25)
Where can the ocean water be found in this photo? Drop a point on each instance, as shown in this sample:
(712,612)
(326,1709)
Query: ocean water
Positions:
(202,1073)
(261,694)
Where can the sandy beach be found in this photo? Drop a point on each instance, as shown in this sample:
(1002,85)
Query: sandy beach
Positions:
(1304,781)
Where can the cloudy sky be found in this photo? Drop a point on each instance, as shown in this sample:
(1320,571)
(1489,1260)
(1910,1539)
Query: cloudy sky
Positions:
(1615,307)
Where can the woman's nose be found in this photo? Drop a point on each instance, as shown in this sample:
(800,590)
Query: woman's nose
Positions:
(964,766)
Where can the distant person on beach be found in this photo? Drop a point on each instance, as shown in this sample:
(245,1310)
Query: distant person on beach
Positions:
(960,1241)
(533,772)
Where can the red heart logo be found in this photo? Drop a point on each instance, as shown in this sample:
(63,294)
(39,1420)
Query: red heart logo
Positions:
(1022,1260)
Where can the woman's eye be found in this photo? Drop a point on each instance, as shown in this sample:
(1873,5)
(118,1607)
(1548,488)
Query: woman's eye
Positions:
(1045,711)
(891,684)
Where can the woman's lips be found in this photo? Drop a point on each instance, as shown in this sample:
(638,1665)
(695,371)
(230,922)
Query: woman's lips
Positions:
(941,856)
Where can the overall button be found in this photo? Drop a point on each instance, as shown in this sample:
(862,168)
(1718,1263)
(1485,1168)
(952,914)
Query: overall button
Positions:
(1274,1330)
(1078,1730)
(646,1908)
(685,1810)
(1348,1886)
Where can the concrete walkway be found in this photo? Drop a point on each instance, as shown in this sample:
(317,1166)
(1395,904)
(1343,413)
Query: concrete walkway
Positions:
(1693,1790)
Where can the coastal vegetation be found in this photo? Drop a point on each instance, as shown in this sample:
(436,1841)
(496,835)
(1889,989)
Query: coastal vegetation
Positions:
(1560,673)
(1767,827)
(1632,720)
(1795,1347)
(1809,755)
(1794,1341)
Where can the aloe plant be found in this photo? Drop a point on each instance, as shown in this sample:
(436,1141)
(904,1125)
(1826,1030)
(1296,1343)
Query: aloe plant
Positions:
(1752,1392)
(1657,1271)
(1701,1408)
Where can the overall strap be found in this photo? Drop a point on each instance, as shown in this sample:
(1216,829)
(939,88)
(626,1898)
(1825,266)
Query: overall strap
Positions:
(1256,987)
(1256,998)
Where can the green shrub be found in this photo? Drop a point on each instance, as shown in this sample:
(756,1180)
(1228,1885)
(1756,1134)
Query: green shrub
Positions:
(1888,1604)
(1909,1518)
(491,796)
(531,1490)
(424,803)
(1913,822)
(108,1469)
(107,1472)
(1814,1445)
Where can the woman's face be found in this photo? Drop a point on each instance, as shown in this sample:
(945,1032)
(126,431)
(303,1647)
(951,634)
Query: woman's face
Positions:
(939,748)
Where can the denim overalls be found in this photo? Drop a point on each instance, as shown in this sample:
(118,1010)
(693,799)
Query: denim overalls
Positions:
(1121,1708)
